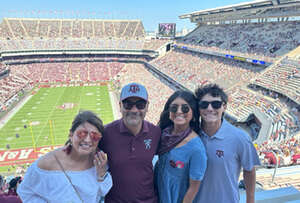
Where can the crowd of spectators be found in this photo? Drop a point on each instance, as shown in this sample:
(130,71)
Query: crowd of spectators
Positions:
(282,77)
(42,34)
(286,152)
(69,44)
(284,122)
(265,41)
(12,84)
(26,75)
(192,69)
(21,28)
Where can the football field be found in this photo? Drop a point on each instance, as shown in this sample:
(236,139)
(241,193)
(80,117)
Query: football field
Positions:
(46,118)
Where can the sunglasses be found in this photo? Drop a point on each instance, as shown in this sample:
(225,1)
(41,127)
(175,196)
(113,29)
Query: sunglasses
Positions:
(95,136)
(140,104)
(184,108)
(214,104)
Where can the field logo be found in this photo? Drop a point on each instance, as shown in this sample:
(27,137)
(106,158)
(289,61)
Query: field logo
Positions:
(33,123)
(65,106)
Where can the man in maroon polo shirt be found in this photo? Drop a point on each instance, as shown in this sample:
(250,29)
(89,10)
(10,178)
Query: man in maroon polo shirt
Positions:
(130,144)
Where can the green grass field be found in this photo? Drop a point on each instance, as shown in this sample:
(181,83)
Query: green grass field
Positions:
(50,123)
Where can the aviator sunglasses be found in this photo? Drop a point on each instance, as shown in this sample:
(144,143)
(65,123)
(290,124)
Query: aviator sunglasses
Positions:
(215,104)
(95,136)
(184,108)
(140,104)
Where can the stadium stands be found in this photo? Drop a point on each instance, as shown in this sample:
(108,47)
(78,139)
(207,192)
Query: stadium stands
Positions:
(192,69)
(283,77)
(16,28)
(274,39)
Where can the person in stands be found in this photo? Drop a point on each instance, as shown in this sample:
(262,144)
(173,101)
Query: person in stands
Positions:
(228,150)
(182,157)
(76,172)
(131,143)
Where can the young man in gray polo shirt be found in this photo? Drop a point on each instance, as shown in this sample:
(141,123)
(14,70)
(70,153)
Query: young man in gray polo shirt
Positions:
(228,149)
(130,144)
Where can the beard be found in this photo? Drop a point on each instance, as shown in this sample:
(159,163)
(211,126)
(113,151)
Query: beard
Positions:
(134,118)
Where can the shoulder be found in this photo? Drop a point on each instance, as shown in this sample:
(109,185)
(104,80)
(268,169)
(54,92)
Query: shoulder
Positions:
(112,124)
(112,127)
(152,130)
(48,161)
(196,142)
(237,133)
(151,126)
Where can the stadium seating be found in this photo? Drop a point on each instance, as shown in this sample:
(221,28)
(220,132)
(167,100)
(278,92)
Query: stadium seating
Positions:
(283,77)
(253,40)
(15,28)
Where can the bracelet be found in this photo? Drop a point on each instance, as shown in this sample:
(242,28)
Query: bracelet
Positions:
(100,179)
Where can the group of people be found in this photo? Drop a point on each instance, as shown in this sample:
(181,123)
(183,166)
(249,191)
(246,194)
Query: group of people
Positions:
(200,155)
(286,152)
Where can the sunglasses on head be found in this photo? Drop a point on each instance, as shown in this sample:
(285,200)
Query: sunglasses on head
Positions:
(215,104)
(140,104)
(95,136)
(184,108)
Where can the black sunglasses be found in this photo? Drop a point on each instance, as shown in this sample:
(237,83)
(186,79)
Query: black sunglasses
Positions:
(140,104)
(214,104)
(184,108)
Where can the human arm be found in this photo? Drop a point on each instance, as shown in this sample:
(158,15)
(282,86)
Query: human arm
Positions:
(249,159)
(198,164)
(250,180)
(28,189)
(192,191)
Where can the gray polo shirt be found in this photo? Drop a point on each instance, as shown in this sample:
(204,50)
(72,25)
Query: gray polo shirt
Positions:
(130,162)
(228,151)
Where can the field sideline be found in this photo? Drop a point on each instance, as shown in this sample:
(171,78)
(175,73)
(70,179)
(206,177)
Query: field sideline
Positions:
(45,119)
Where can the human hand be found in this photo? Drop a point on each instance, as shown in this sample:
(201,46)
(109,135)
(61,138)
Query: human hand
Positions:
(100,162)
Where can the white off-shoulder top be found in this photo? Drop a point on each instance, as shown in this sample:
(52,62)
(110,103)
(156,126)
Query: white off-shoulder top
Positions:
(41,186)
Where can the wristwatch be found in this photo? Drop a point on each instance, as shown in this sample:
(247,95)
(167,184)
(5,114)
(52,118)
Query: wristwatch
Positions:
(100,179)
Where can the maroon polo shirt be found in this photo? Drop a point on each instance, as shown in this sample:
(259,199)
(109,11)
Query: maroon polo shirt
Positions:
(130,162)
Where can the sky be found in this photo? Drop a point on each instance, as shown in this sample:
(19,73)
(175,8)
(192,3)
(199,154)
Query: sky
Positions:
(150,12)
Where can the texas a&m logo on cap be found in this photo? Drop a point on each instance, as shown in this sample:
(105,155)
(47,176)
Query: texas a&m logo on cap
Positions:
(134,88)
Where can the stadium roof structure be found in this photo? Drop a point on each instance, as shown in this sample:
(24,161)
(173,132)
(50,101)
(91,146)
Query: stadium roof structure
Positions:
(246,11)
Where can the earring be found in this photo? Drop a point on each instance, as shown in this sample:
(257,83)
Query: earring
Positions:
(69,147)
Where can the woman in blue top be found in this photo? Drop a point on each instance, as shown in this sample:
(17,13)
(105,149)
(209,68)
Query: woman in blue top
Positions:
(182,156)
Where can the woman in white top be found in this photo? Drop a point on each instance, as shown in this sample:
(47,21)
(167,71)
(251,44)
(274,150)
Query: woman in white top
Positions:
(76,172)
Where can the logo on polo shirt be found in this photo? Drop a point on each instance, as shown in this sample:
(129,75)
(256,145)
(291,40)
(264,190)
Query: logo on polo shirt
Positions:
(134,88)
(148,143)
(177,164)
(220,153)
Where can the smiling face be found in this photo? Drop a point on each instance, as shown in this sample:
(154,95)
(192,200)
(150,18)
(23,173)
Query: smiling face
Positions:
(210,115)
(87,144)
(134,116)
(179,118)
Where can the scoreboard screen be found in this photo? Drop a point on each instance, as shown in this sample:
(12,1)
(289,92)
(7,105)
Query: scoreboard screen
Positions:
(166,29)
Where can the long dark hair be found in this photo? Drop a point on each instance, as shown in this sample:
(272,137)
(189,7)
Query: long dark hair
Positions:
(190,98)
